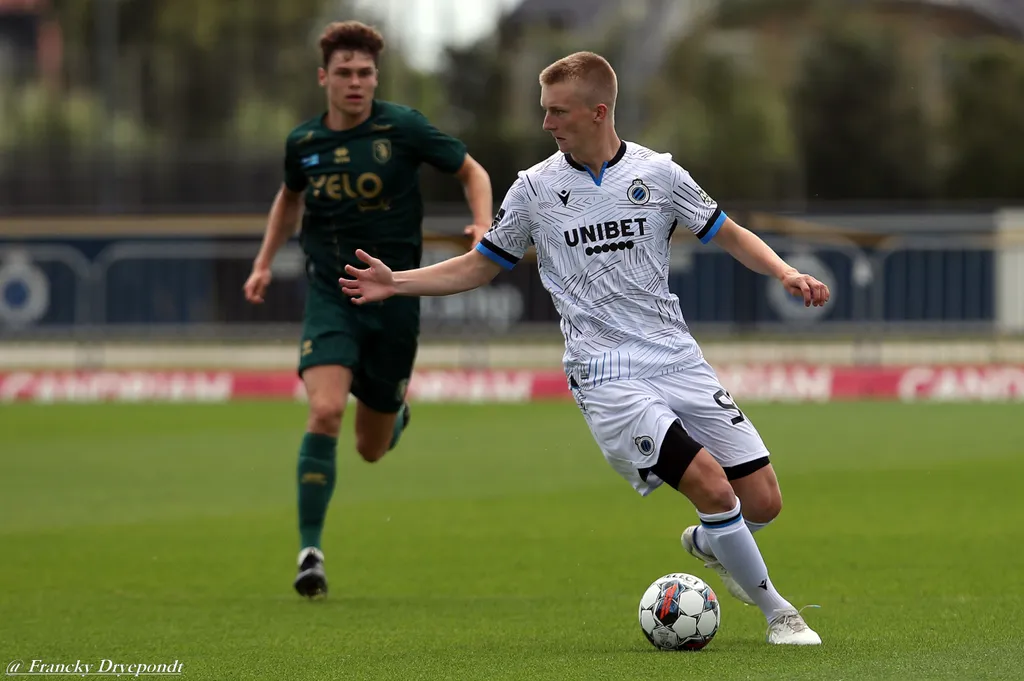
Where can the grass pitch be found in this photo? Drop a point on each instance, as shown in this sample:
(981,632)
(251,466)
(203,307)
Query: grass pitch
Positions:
(495,543)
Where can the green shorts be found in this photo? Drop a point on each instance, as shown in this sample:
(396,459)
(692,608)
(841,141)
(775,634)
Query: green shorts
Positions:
(377,341)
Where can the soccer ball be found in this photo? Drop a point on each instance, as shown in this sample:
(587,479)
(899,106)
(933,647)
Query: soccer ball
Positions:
(679,612)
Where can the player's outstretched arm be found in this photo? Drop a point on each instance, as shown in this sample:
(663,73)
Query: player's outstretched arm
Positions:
(455,275)
(284,214)
(758,256)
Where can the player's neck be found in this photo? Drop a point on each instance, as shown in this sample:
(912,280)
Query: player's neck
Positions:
(600,152)
(339,120)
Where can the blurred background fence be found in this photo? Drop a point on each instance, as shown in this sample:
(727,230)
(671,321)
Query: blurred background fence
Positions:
(958,283)
(877,144)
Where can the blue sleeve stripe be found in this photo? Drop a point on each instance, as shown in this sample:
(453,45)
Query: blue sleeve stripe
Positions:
(711,229)
(496,254)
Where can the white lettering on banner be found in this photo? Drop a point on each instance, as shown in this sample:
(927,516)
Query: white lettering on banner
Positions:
(912,381)
(120,387)
(782,383)
(746,383)
(13,386)
(947,384)
(497,306)
(478,386)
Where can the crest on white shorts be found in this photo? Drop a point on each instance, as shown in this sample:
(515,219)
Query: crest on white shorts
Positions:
(645,444)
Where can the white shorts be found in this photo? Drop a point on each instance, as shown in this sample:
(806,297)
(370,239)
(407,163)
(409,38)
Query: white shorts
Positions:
(629,419)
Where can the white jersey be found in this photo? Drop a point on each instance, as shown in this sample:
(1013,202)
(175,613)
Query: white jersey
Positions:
(603,255)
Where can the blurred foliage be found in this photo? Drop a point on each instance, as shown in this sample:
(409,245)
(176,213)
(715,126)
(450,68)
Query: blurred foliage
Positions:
(77,120)
(483,87)
(745,12)
(850,120)
(767,100)
(859,118)
(724,123)
(986,129)
(243,71)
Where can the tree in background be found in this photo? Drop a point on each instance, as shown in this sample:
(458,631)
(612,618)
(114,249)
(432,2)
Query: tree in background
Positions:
(477,83)
(860,124)
(236,71)
(986,127)
(171,103)
(770,100)
(724,122)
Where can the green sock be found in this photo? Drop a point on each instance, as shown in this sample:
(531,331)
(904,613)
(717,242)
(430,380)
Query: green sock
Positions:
(399,428)
(316,484)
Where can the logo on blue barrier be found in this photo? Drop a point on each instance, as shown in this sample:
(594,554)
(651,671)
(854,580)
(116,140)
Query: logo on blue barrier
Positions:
(24,290)
(791,307)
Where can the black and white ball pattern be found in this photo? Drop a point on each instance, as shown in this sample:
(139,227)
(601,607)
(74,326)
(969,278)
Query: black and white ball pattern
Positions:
(679,612)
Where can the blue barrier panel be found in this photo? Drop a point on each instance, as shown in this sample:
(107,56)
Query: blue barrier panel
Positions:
(183,282)
(939,286)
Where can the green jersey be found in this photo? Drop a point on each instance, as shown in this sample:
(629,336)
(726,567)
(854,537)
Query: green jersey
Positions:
(362,187)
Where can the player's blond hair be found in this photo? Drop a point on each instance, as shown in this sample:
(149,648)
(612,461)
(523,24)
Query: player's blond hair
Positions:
(591,72)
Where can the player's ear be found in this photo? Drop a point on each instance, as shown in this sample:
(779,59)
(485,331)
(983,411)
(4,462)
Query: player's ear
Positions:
(321,76)
(600,113)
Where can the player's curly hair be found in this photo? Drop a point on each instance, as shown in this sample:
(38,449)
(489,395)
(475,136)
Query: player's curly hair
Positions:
(350,35)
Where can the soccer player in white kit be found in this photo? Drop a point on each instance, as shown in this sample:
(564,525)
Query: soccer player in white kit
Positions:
(601,213)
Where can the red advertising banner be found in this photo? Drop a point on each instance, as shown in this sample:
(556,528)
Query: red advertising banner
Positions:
(750,383)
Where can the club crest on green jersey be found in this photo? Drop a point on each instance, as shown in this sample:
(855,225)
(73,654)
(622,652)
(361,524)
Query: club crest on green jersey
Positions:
(382,151)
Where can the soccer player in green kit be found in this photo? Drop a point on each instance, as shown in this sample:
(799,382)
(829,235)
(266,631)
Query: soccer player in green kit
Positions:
(355,170)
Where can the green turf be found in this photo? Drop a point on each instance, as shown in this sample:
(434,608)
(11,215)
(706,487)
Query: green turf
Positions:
(495,543)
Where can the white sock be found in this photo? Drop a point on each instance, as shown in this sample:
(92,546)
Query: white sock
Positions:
(702,543)
(754,527)
(734,547)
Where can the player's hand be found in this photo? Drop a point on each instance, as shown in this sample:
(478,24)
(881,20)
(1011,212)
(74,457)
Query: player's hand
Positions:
(257,283)
(807,287)
(475,233)
(369,285)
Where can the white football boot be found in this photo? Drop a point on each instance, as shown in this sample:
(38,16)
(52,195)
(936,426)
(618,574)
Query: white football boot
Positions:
(789,628)
(731,585)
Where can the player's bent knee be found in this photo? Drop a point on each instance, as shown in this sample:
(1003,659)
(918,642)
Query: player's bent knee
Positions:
(772,506)
(713,495)
(325,415)
(371,451)
(763,508)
